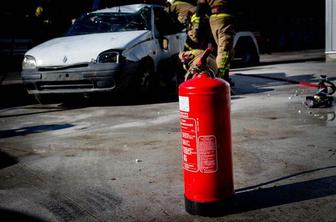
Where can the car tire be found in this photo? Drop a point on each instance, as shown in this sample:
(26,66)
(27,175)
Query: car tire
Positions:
(146,82)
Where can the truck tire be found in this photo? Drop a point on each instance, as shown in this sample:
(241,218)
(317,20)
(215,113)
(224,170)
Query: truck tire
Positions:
(246,53)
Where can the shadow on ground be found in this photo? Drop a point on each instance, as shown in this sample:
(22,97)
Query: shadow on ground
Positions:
(262,198)
(6,160)
(37,109)
(277,62)
(287,61)
(265,82)
(32,129)
(16,95)
(244,84)
(255,197)
(15,216)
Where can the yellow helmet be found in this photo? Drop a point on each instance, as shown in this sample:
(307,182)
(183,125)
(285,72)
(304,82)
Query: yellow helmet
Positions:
(38,11)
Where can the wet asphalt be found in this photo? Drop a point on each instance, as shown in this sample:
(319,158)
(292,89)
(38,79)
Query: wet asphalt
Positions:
(120,160)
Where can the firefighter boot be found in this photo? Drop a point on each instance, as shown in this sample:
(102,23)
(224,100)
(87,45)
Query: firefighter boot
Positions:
(223,73)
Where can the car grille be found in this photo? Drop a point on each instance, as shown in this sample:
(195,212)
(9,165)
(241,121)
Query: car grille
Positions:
(83,84)
(56,68)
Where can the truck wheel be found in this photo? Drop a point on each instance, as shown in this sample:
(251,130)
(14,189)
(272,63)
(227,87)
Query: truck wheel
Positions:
(246,54)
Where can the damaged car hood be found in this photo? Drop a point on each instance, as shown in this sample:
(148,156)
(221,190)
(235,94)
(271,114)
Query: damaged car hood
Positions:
(70,50)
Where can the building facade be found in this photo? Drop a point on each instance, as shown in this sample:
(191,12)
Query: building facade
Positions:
(330,30)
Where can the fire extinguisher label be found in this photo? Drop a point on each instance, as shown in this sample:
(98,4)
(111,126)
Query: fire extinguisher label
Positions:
(184,103)
(207,154)
(188,130)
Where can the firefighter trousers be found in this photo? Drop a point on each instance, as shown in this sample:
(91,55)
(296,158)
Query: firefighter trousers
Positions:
(223,33)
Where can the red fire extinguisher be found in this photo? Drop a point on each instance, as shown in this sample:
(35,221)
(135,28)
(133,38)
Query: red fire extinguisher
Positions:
(204,103)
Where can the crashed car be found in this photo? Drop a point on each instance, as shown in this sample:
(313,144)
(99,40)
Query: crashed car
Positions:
(104,51)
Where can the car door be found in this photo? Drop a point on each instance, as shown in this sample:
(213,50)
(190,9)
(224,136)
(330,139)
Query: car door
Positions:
(170,36)
(170,40)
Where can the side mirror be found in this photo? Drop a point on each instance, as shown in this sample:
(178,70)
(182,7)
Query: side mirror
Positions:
(165,43)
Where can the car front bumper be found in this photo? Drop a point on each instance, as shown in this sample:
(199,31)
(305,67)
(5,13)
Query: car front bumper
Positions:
(88,78)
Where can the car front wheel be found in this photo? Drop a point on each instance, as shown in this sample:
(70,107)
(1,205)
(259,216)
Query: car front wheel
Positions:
(146,82)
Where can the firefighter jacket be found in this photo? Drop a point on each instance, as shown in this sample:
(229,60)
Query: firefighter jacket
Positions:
(212,7)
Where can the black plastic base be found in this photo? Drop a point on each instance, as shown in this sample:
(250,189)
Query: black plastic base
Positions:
(212,209)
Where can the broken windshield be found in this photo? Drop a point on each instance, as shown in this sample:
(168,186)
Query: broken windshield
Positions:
(108,22)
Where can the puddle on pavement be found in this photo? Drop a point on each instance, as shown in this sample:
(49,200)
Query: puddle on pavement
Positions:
(307,115)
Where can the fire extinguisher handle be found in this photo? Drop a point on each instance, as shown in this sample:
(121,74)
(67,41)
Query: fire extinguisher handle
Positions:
(202,62)
(202,65)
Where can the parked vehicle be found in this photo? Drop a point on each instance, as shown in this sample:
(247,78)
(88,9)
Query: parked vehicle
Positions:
(114,49)
(246,49)
(105,50)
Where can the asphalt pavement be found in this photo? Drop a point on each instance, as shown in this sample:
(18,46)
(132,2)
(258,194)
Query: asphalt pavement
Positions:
(122,161)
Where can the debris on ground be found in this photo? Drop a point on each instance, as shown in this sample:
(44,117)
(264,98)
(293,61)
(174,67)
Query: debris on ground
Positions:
(323,97)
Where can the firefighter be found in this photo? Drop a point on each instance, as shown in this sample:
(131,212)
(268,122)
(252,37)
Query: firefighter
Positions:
(185,13)
(182,11)
(221,25)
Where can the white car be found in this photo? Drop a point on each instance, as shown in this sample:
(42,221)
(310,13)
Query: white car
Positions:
(103,51)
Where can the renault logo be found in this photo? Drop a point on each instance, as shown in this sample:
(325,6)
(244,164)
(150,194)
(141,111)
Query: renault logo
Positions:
(65,59)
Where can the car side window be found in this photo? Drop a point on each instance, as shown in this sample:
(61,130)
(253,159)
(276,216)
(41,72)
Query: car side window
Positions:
(164,23)
(145,13)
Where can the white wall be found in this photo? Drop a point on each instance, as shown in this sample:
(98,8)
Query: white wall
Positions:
(331,30)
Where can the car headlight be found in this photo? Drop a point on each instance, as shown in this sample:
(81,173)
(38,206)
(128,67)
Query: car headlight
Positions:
(108,57)
(29,62)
